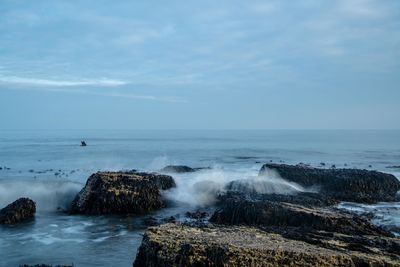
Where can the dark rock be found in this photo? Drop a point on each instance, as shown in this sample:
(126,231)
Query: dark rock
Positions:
(20,210)
(121,193)
(151,221)
(179,245)
(182,169)
(170,219)
(393,167)
(83,143)
(245,157)
(306,211)
(177,169)
(45,265)
(197,215)
(343,184)
(258,185)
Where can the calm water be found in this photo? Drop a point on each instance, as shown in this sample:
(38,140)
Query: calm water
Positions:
(51,167)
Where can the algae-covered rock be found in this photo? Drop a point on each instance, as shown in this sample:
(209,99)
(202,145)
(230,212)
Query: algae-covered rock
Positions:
(178,245)
(20,210)
(352,185)
(121,193)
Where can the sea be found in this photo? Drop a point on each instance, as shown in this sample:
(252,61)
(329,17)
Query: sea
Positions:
(50,167)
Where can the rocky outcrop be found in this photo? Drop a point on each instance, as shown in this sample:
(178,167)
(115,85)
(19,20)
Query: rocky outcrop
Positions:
(343,184)
(20,210)
(307,211)
(178,245)
(121,193)
(177,169)
(181,169)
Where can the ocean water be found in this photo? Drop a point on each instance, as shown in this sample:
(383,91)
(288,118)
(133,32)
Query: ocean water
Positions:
(50,167)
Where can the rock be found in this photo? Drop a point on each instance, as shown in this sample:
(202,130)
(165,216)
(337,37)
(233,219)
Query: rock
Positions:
(177,169)
(151,221)
(262,185)
(304,211)
(197,215)
(83,143)
(178,245)
(343,184)
(121,193)
(46,265)
(181,169)
(393,167)
(20,210)
(170,219)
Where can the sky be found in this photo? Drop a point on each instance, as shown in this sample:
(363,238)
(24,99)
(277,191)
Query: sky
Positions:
(96,64)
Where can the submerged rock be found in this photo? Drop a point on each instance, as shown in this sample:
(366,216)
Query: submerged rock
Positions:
(178,245)
(20,210)
(121,193)
(343,184)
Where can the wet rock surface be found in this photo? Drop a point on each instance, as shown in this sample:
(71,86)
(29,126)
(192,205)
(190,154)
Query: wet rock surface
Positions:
(307,211)
(352,185)
(20,210)
(181,169)
(122,193)
(249,228)
(179,245)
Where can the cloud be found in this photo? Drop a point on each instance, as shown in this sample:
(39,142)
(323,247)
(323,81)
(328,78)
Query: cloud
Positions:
(103,82)
(362,8)
(63,86)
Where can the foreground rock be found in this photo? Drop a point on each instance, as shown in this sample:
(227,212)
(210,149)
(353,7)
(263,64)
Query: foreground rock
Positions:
(122,193)
(307,211)
(343,184)
(20,210)
(177,245)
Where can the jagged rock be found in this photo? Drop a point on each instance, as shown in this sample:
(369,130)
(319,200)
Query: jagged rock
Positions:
(121,193)
(197,215)
(307,211)
(178,245)
(343,184)
(20,210)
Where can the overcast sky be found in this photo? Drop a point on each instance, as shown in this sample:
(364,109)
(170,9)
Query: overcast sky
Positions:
(126,64)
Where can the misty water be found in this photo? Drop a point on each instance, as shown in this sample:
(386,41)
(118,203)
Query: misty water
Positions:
(50,167)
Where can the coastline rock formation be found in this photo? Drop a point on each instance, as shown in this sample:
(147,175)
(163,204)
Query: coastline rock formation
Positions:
(178,245)
(20,210)
(121,193)
(293,228)
(351,185)
(306,211)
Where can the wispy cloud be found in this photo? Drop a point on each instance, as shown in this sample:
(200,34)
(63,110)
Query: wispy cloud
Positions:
(78,87)
(103,82)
